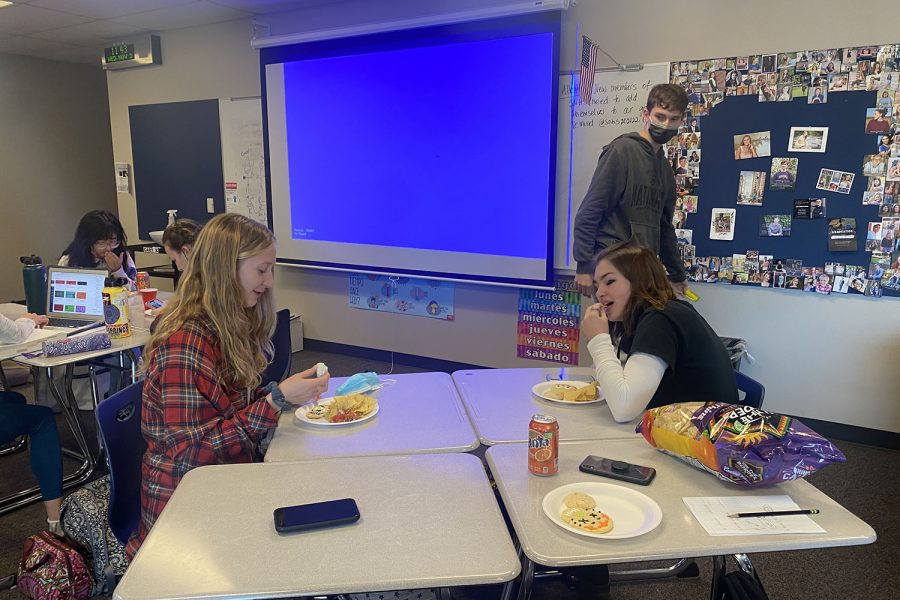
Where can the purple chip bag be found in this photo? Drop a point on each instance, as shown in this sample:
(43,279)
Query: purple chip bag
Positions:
(750,446)
(759,447)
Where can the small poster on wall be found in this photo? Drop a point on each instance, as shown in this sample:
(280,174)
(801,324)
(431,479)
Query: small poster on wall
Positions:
(403,295)
(548,324)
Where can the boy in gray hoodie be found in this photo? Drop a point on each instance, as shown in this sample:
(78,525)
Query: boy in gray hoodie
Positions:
(632,192)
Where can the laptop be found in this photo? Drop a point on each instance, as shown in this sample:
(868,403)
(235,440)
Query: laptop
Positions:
(75,298)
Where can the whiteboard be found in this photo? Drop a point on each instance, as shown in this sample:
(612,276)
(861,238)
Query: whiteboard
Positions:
(243,162)
(584,130)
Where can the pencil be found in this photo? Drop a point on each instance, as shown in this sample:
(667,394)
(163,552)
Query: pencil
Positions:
(776,513)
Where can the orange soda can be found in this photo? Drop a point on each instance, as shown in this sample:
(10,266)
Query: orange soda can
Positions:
(143,280)
(543,445)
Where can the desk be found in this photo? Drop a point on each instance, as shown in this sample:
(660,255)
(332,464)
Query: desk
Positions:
(427,521)
(679,535)
(420,414)
(500,404)
(69,408)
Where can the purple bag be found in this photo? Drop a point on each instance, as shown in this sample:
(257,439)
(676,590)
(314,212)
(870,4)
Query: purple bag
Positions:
(78,343)
(738,443)
(53,568)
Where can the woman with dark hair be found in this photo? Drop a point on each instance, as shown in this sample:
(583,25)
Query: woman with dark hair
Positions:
(673,353)
(100,243)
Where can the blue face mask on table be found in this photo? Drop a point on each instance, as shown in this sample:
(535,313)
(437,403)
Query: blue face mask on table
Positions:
(359,384)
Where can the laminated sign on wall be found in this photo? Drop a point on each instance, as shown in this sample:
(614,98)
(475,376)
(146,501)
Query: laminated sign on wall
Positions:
(548,324)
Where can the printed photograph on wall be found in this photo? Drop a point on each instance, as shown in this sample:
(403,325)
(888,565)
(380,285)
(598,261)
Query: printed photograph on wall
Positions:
(721,225)
(783,175)
(808,139)
(752,145)
(751,188)
(775,226)
(809,208)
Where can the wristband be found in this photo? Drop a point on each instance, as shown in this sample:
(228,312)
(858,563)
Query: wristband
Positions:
(278,397)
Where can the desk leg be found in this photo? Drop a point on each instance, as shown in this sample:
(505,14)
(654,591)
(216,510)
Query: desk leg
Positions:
(69,406)
(718,571)
(132,357)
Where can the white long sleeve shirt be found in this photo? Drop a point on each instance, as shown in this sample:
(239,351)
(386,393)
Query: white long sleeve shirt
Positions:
(628,389)
(15,332)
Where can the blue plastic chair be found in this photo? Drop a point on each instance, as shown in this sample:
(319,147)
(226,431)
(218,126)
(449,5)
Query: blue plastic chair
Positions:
(119,421)
(754,392)
(280,366)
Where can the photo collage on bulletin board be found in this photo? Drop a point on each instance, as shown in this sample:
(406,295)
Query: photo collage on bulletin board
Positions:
(801,156)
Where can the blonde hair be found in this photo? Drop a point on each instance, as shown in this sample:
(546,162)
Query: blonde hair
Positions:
(210,288)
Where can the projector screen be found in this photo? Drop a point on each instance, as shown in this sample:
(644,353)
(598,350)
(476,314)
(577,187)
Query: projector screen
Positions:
(427,152)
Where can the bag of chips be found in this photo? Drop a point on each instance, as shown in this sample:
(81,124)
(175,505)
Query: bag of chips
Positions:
(738,443)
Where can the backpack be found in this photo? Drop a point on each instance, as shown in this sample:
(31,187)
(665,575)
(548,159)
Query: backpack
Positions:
(85,519)
(53,568)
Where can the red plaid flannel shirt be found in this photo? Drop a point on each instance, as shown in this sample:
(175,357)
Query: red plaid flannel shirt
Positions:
(189,419)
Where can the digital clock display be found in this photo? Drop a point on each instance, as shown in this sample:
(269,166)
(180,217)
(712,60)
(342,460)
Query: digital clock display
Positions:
(119,53)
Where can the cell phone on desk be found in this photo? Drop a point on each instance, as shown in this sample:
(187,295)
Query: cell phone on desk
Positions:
(617,469)
(155,303)
(318,514)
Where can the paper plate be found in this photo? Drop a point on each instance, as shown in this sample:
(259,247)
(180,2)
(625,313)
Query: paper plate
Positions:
(300,415)
(540,389)
(632,512)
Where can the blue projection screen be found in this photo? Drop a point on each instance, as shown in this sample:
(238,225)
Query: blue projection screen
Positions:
(428,152)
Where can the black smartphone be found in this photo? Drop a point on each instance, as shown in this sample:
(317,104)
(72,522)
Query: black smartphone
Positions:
(617,469)
(315,515)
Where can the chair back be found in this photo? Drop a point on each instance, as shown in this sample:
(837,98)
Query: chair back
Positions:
(754,392)
(280,366)
(119,421)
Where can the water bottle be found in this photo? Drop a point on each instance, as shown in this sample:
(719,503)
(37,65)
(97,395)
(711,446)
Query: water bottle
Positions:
(34,276)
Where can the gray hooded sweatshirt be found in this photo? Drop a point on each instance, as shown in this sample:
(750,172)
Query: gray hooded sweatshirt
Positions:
(631,197)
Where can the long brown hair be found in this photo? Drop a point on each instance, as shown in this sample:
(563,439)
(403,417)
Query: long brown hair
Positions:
(650,287)
(209,287)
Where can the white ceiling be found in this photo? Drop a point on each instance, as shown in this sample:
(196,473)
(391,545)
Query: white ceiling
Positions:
(78,30)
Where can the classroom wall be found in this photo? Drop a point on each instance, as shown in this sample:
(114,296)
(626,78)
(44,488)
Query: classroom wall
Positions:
(829,358)
(55,158)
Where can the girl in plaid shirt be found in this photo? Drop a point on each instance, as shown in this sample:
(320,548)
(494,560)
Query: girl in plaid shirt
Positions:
(202,404)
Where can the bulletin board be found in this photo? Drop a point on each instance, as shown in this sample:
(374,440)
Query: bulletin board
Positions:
(770,99)
(844,115)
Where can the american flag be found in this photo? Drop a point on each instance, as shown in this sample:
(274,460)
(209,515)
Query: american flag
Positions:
(588,67)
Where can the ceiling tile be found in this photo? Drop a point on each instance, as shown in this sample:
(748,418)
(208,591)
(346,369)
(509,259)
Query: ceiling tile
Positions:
(90,34)
(25,19)
(88,56)
(272,6)
(106,9)
(197,13)
(30,46)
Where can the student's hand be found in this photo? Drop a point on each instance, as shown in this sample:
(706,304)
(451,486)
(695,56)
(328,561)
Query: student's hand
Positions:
(113,261)
(594,321)
(584,283)
(39,320)
(303,387)
(680,288)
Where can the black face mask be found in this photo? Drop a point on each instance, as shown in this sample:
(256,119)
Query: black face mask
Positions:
(660,134)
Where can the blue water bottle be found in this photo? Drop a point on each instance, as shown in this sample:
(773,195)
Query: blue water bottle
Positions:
(34,276)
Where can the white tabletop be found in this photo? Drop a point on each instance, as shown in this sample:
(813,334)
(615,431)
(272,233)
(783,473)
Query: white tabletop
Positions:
(679,534)
(138,338)
(420,413)
(426,521)
(500,404)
